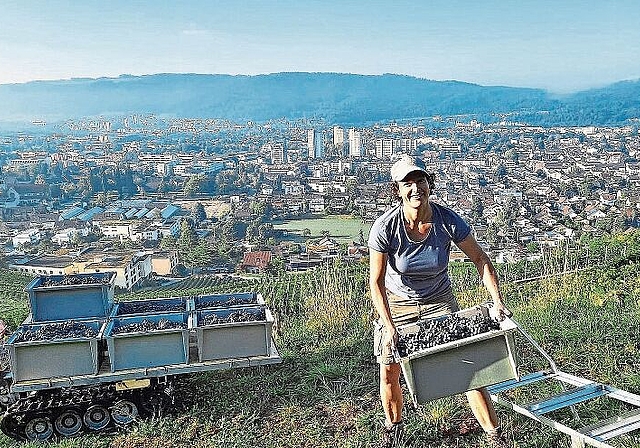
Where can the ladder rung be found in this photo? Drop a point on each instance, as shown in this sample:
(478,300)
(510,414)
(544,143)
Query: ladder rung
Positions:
(512,384)
(614,426)
(568,398)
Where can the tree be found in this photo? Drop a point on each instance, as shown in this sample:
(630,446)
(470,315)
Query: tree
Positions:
(477,209)
(225,181)
(169,243)
(264,231)
(533,248)
(84,187)
(198,213)
(224,233)
(76,239)
(200,255)
(45,246)
(252,231)
(258,209)
(193,186)
(491,234)
(125,184)
(510,211)
(188,237)
(187,241)
(277,266)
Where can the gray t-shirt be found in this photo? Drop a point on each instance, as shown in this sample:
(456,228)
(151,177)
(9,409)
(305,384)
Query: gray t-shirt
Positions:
(418,270)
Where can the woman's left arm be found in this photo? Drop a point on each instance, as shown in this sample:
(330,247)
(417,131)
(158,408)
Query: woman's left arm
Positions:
(487,272)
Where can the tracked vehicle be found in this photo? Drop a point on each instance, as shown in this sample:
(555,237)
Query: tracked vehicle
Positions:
(82,363)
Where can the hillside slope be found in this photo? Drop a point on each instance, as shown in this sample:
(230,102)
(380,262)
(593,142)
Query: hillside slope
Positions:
(336,97)
(325,393)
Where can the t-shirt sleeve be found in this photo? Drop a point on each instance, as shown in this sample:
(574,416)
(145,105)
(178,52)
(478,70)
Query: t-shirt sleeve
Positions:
(458,227)
(378,238)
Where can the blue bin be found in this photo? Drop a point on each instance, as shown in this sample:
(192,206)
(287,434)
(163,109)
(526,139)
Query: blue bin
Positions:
(154,306)
(74,301)
(153,348)
(38,360)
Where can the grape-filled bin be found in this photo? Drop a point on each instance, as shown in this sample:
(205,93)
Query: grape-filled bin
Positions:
(77,296)
(227,300)
(144,346)
(56,357)
(462,365)
(151,306)
(232,339)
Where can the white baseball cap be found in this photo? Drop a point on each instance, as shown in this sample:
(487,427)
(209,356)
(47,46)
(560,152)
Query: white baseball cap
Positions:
(405,165)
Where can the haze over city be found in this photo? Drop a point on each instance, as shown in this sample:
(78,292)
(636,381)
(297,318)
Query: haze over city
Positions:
(558,46)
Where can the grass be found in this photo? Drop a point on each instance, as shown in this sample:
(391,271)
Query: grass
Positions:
(13,304)
(325,392)
(343,229)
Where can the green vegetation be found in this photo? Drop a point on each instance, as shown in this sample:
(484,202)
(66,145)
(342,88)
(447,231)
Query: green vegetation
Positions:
(334,97)
(13,303)
(324,394)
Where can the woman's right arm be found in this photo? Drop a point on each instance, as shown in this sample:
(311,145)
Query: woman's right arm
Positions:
(377,270)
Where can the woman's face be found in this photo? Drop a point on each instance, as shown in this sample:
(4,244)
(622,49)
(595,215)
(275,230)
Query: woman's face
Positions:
(414,189)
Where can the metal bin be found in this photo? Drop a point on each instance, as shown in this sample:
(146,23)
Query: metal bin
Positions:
(37,360)
(234,339)
(461,365)
(153,348)
(216,301)
(64,302)
(154,306)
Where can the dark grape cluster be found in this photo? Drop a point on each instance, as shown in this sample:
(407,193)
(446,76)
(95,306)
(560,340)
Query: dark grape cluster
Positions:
(435,332)
(57,330)
(147,307)
(246,315)
(147,325)
(5,359)
(231,301)
(71,280)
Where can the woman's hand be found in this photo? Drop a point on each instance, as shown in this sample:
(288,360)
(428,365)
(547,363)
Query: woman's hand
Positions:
(499,312)
(392,336)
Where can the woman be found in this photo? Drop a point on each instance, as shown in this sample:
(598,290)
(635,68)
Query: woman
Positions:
(409,249)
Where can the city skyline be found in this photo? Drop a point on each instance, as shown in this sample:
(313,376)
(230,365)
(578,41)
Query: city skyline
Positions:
(557,46)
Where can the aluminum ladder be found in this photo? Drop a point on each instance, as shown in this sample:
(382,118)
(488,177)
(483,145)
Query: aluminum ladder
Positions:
(575,390)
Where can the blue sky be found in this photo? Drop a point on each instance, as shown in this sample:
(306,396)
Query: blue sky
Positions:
(560,46)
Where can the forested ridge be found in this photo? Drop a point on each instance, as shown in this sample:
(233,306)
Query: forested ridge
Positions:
(334,97)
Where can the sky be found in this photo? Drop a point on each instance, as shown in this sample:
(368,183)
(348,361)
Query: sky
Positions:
(560,46)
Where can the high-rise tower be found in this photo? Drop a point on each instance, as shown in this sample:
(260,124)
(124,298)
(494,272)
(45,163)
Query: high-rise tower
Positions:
(315,144)
(355,143)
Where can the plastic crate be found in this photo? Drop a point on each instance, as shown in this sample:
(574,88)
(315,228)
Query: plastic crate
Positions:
(37,360)
(234,339)
(64,302)
(216,301)
(153,348)
(154,306)
(461,365)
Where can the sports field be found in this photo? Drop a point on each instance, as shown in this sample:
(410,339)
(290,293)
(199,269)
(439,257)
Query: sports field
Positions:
(343,229)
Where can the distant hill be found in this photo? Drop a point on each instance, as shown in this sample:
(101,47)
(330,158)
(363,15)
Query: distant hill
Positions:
(343,98)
